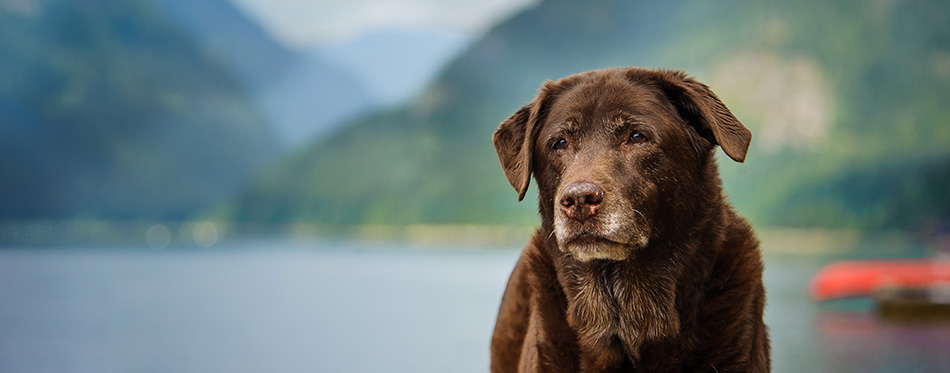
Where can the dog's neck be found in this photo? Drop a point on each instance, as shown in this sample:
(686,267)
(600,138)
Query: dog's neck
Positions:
(622,306)
(618,301)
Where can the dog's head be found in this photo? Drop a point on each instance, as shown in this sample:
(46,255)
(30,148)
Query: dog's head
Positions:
(621,156)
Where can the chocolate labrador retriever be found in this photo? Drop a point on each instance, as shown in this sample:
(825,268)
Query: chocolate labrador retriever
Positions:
(639,264)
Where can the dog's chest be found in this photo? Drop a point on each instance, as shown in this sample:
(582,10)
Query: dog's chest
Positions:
(610,309)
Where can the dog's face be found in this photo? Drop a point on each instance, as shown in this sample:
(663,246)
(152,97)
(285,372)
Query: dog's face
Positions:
(619,155)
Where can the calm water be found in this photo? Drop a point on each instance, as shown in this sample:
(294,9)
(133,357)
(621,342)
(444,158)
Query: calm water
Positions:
(348,307)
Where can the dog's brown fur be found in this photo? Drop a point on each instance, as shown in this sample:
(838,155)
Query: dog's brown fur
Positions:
(639,263)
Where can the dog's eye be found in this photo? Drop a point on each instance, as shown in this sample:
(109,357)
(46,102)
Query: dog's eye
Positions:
(559,144)
(637,138)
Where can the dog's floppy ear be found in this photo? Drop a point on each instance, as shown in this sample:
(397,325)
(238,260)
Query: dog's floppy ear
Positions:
(514,147)
(514,138)
(700,107)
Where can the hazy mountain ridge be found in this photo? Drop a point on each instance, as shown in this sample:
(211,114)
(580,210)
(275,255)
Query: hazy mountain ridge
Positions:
(300,94)
(395,63)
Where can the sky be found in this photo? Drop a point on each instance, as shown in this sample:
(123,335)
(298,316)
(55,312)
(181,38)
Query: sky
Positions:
(309,23)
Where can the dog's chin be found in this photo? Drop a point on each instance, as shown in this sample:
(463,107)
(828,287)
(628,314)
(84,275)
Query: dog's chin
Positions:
(587,248)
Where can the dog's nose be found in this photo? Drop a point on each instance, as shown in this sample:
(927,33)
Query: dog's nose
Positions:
(580,200)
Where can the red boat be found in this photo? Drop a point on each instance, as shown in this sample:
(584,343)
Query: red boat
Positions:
(867,278)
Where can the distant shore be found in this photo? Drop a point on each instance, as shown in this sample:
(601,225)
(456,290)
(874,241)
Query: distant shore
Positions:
(209,233)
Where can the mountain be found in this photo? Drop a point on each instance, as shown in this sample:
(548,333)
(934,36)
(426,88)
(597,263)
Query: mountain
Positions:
(412,57)
(109,111)
(837,93)
(302,94)
(224,31)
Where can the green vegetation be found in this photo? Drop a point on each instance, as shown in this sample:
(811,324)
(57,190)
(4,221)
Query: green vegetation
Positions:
(847,101)
(108,111)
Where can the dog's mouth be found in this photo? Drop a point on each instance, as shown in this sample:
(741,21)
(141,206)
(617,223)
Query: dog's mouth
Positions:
(588,238)
(585,246)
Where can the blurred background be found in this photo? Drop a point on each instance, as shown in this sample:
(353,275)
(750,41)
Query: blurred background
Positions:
(306,185)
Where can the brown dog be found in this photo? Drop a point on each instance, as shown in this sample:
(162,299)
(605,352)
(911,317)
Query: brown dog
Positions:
(639,263)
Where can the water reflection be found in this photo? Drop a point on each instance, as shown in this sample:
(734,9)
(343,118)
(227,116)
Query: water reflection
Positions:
(861,342)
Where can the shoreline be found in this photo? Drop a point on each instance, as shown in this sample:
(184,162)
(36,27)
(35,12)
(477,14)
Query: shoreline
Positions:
(210,233)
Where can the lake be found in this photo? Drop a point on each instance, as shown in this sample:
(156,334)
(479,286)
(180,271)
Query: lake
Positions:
(351,306)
